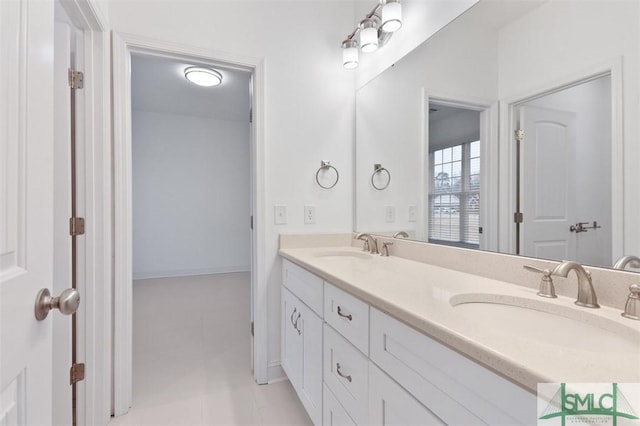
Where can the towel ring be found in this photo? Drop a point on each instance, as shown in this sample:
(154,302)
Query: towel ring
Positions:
(325,165)
(377,168)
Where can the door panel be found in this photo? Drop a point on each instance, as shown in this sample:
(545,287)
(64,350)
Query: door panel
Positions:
(26,200)
(548,183)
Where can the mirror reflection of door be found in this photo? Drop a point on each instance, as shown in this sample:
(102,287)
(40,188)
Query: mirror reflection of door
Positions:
(453,210)
(565,174)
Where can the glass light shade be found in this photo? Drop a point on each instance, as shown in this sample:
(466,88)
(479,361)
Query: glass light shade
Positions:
(350,54)
(203,76)
(368,35)
(391,16)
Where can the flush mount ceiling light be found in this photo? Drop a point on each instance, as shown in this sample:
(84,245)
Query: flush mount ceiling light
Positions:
(373,31)
(202,76)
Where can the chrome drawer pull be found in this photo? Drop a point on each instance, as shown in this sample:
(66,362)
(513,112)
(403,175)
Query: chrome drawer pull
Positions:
(344,376)
(292,314)
(347,316)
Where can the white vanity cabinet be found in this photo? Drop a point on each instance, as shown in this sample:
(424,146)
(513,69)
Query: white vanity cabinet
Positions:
(352,364)
(301,331)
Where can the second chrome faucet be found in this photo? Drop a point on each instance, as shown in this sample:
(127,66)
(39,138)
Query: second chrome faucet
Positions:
(586,294)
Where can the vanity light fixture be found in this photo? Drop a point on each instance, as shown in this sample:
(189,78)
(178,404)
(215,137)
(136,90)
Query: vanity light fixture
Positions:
(202,76)
(373,31)
(368,35)
(350,53)
(391,15)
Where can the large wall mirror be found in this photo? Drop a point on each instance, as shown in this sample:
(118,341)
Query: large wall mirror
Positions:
(516,129)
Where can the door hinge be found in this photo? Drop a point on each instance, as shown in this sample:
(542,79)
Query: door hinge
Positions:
(518,217)
(76,79)
(480,230)
(76,226)
(251,222)
(519,135)
(77,373)
(251,116)
(252,328)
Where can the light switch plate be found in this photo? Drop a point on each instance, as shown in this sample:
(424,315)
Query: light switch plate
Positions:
(413,213)
(390,213)
(280,214)
(309,214)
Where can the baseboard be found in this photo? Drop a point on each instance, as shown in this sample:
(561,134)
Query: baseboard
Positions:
(275,373)
(189,272)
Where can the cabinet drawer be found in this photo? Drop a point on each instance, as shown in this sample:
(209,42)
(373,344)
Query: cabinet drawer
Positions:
(306,286)
(389,404)
(346,374)
(333,414)
(348,315)
(439,377)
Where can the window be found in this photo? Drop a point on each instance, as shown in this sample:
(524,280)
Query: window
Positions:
(454,198)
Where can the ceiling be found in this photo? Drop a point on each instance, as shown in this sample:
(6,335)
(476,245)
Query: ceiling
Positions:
(158,85)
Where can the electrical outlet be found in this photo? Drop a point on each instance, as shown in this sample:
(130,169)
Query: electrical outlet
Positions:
(280,214)
(309,214)
(390,213)
(413,213)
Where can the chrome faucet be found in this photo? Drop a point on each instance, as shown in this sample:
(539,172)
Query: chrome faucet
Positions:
(400,234)
(633,261)
(369,242)
(586,293)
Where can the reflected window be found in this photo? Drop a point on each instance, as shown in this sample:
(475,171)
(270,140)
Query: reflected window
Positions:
(454,198)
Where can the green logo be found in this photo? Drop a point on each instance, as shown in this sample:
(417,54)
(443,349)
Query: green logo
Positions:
(567,403)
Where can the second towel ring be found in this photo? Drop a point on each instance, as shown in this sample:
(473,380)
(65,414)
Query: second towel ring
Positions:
(325,165)
(377,168)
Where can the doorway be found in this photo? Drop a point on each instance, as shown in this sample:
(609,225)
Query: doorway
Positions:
(191,209)
(564,173)
(125,47)
(458,136)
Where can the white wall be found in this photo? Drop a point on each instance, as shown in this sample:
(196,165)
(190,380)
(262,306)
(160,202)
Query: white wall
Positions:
(536,62)
(309,104)
(591,102)
(191,194)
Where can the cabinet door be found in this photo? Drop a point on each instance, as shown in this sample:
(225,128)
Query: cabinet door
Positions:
(333,414)
(310,387)
(389,404)
(291,346)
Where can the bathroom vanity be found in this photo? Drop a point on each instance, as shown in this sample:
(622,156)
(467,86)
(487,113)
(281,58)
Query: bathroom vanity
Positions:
(368,339)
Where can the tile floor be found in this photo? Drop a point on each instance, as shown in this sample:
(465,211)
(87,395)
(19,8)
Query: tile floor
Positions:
(191,357)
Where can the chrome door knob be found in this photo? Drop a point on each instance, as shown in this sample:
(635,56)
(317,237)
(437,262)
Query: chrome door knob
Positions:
(67,303)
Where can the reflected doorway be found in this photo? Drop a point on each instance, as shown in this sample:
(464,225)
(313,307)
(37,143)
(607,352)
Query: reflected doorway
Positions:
(454,175)
(564,168)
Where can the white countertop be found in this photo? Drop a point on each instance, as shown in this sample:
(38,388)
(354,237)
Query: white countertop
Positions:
(419,295)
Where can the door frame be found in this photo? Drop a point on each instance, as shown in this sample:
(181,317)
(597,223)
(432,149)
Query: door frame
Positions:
(93,164)
(123,46)
(507,242)
(488,160)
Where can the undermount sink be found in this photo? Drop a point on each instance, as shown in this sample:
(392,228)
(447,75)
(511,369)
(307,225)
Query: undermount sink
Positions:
(546,323)
(343,254)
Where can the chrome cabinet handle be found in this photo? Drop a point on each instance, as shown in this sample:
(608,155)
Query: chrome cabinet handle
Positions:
(347,316)
(292,314)
(67,303)
(341,374)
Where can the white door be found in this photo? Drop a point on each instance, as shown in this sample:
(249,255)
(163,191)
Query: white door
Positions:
(547,186)
(26,213)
